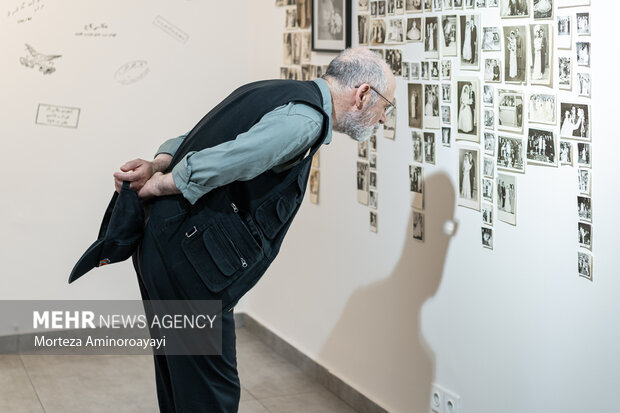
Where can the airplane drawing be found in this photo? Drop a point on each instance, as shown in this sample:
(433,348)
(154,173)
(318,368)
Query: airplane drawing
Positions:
(45,63)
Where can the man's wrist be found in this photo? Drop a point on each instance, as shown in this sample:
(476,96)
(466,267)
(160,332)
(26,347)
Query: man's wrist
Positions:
(161,162)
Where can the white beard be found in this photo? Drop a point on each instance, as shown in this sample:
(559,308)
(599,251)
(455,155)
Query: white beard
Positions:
(355,124)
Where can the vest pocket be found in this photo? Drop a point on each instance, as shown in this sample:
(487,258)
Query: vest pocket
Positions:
(272,214)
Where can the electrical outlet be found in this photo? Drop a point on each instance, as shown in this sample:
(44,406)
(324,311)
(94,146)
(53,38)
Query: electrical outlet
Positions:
(451,402)
(437,399)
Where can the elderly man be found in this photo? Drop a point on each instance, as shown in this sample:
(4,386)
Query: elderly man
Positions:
(222,197)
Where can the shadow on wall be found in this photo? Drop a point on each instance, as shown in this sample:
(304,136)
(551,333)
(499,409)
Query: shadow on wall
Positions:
(381,321)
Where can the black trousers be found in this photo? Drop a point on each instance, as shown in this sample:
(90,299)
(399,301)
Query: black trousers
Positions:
(186,383)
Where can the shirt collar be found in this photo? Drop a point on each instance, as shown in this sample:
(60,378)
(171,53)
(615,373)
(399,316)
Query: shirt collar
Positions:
(327,106)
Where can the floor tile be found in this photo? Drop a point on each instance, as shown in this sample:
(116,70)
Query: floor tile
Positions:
(314,402)
(252,406)
(16,392)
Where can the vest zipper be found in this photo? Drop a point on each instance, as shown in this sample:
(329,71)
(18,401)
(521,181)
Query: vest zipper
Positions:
(244,263)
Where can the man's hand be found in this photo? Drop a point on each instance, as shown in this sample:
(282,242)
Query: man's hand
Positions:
(159,185)
(139,171)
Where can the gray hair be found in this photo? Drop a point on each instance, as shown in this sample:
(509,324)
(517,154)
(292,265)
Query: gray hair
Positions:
(353,67)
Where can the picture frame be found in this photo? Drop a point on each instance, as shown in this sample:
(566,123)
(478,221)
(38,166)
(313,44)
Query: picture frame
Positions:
(331,25)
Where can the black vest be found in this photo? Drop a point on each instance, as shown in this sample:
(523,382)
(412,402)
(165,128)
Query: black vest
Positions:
(230,236)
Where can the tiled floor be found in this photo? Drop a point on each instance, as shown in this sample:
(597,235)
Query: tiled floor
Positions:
(68,384)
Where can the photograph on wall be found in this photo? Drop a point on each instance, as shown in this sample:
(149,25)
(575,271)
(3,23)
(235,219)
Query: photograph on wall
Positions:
(290,21)
(489,119)
(487,237)
(389,127)
(575,121)
(331,25)
(510,153)
(415,105)
(445,115)
(306,47)
(395,31)
(394,59)
(489,143)
(583,53)
(362,150)
(374,226)
(363,29)
(414,29)
(448,4)
(363,172)
(572,3)
(584,177)
(492,3)
(584,235)
(427,5)
(468,99)
(418,147)
(431,37)
(584,155)
(400,6)
(487,214)
(487,189)
(541,54)
(583,24)
(296,48)
(583,84)
(418,225)
(446,136)
(287,58)
(469,178)
(541,108)
(491,39)
(584,208)
(446,69)
(514,54)
(566,153)
(448,35)
(481,4)
(381,9)
(415,71)
(543,9)
(469,27)
(507,198)
(469,4)
(446,93)
(488,167)
(565,75)
(541,147)
(304,12)
(429,147)
(416,186)
(510,110)
(584,265)
(362,5)
(372,160)
(314,182)
(488,95)
(406,71)
(434,67)
(413,6)
(458,4)
(373,199)
(492,70)
(424,72)
(431,107)
(564,38)
(377,32)
(514,8)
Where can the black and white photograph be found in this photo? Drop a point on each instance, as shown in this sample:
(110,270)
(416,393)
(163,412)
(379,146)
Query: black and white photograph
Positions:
(489,119)
(307,72)
(395,30)
(418,225)
(584,155)
(468,115)
(414,29)
(389,127)
(406,72)
(584,235)
(287,57)
(541,54)
(290,19)
(296,48)
(445,115)
(446,93)
(469,178)
(400,7)
(575,121)
(394,59)
(437,5)
(374,227)
(448,4)
(584,208)
(416,186)
(391,7)
(306,47)
(583,53)
(510,153)
(331,25)
(487,189)
(363,172)
(543,9)
(510,110)
(429,147)
(378,52)
(362,150)
(418,147)
(434,68)
(413,6)
(493,70)
(489,143)
(583,24)
(564,38)
(373,199)
(372,143)
(313,185)
(491,39)
(448,35)
(458,4)
(541,147)
(446,69)
(583,84)
(424,71)
(372,161)
(584,265)
(487,237)
(415,105)
(584,177)
(572,3)
(428,5)
(492,3)
(431,37)
(514,8)
(488,95)
(363,29)
(507,198)
(381,8)
(488,167)
(469,4)
(469,26)
(481,4)
(377,32)
(487,214)
(415,71)
(373,8)
(565,69)
(566,153)
(514,54)
(304,12)
(362,5)
(431,107)
(446,136)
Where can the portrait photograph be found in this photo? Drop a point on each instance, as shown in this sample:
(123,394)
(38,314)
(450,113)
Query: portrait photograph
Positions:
(434,68)
(543,9)
(373,199)
(424,72)
(362,5)
(446,93)
(304,12)
(415,71)
(491,39)
(373,8)
(431,107)
(489,119)
(381,9)
(584,155)
(541,147)
(363,172)
(469,26)
(362,150)
(287,49)
(377,32)
(400,6)
(372,143)
(488,167)
(489,143)
(542,108)
(492,3)
(448,4)
(468,114)
(487,238)
(372,160)
(507,198)
(514,8)
(437,5)
(446,69)
(429,147)
(584,177)
(488,95)
(487,189)
(583,24)
(446,136)
(583,53)
(445,115)
(510,154)
(363,29)
(487,214)
(296,47)
(575,121)
(389,127)
(390,7)
(374,225)
(394,59)
(584,208)
(290,21)
(331,25)
(306,47)
(414,29)
(427,5)
(583,84)
(514,53)
(395,30)
(541,54)
(458,4)
(510,110)
(492,70)
(566,153)
(418,225)
(313,185)
(565,75)
(584,235)
(415,105)
(584,265)
(481,4)
(448,35)
(416,186)
(431,37)
(468,4)
(406,71)
(413,6)
(418,147)
(564,37)
(469,178)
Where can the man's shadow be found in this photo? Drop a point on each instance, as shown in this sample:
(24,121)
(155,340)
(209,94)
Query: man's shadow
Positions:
(380,325)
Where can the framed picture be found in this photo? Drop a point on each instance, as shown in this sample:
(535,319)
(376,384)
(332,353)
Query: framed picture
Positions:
(469,178)
(331,25)
(468,109)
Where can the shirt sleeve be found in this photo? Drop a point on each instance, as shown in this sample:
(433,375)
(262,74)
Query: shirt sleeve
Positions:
(278,137)
(171,145)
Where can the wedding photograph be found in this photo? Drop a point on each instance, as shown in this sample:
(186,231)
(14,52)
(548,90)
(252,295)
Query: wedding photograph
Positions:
(363,29)
(543,9)
(489,143)
(415,105)
(584,208)
(541,147)
(583,24)
(514,53)
(413,6)
(489,119)
(414,29)
(575,121)
(488,167)
(313,185)
(445,115)
(541,108)
(487,237)
(395,28)
(584,177)
(541,54)
(564,38)
(488,95)
(492,70)
(584,155)
(583,53)
(566,153)
(565,72)
(362,150)
(446,136)
(510,154)
(429,147)
(446,69)
(416,186)
(468,99)
(373,199)
(584,235)
(510,110)
(362,182)
(377,32)
(434,68)
(469,178)
(418,225)
(583,84)
(584,265)
(431,37)
(415,71)
(448,35)
(331,25)
(487,189)
(487,214)
(491,39)
(470,44)
(507,198)
(431,107)
(389,127)
(418,147)
(374,227)
(405,73)
(514,8)
(446,93)
(394,58)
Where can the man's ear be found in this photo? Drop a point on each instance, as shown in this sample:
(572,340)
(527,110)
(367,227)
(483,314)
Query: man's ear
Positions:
(362,93)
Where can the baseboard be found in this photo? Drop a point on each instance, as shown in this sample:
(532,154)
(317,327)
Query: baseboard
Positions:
(351,396)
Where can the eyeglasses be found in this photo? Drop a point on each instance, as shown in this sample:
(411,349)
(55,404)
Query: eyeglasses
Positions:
(389,109)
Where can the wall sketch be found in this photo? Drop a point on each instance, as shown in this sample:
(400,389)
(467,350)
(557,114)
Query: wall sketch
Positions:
(45,63)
